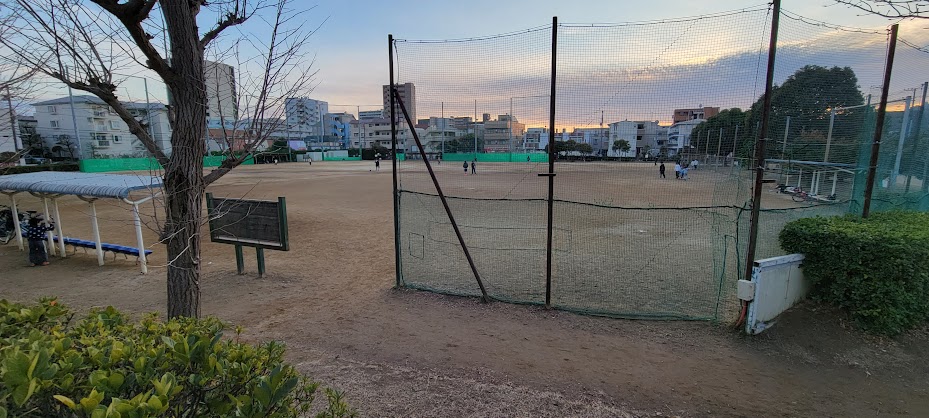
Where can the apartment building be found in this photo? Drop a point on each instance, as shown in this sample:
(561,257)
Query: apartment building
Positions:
(679,135)
(681,115)
(641,135)
(9,128)
(338,128)
(503,134)
(368,132)
(371,114)
(535,139)
(222,110)
(407,93)
(305,116)
(597,138)
(99,131)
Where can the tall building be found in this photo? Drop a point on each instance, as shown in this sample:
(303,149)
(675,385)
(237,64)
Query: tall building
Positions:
(305,116)
(370,114)
(100,132)
(405,92)
(220,94)
(535,139)
(681,115)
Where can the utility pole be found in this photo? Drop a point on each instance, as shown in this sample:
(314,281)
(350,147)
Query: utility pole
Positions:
(443,129)
(17,143)
(475,129)
(77,135)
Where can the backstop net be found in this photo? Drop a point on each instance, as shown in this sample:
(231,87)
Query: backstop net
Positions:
(655,126)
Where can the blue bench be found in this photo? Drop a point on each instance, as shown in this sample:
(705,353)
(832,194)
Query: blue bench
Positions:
(113,248)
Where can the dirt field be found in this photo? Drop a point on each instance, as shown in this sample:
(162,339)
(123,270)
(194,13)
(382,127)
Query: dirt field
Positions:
(411,353)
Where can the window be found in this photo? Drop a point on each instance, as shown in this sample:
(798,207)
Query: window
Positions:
(53,123)
(114,124)
(52,109)
(640,126)
(115,138)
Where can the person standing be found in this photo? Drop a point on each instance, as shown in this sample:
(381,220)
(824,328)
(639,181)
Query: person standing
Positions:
(677,170)
(473,166)
(661,170)
(465,166)
(377,164)
(35,234)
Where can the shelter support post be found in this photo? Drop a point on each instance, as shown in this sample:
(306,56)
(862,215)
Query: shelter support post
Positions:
(138,235)
(16,227)
(58,229)
(50,244)
(98,244)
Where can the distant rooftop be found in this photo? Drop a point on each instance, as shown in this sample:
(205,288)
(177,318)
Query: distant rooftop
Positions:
(89,99)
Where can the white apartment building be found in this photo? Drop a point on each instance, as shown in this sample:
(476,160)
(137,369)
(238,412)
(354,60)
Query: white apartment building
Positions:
(8,126)
(371,114)
(367,132)
(305,116)
(220,94)
(535,139)
(641,135)
(679,135)
(99,131)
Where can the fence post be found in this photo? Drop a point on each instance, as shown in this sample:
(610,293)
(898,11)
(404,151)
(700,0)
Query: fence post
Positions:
(551,166)
(879,125)
(393,150)
(760,145)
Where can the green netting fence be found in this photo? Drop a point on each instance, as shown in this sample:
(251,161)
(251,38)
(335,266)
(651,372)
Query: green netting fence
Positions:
(140,164)
(630,236)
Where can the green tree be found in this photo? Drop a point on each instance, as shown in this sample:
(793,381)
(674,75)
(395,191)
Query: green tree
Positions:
(463,144)
(807,97)
(730,122)
(621,146)
(583,148)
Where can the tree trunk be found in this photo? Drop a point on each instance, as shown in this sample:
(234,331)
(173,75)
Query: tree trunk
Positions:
(183,182)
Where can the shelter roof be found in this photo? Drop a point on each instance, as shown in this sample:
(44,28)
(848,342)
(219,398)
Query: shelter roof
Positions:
(117,186)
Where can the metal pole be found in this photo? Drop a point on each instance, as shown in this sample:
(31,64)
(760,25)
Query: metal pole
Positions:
(784,145)
(919,125)
(719,145)
(760,146)
(443,130)
(829,135)
(16,227)
(475,129)
(138,236)
(735,141)
(393,149)
(239,260)
(260,254)
(98,244)
(50,242)
(58,229)
(17,144)
(551,167)
(448,211)
(77,135)
(903,128)
(879,124)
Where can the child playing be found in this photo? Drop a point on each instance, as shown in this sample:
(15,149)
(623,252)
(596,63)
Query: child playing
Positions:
(35,233)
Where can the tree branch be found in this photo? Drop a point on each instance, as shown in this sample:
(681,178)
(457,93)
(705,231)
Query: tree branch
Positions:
(131,14)
(893,9)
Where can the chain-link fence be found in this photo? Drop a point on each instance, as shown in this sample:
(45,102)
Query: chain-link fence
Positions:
(654,129)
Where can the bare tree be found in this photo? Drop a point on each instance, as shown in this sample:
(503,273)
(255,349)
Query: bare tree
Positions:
(84,46)
(894,9)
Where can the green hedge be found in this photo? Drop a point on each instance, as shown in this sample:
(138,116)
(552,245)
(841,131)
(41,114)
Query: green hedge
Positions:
(108,366)
(36,168)
(875,268)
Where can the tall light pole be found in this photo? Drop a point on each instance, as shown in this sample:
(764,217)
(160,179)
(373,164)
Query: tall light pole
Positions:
(832,123)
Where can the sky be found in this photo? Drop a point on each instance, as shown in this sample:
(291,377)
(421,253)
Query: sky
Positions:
(352,43)
(637,72)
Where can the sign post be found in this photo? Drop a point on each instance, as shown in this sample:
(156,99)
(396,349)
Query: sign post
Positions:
(248,223)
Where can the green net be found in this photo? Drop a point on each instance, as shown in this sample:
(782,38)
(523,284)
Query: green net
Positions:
(629,238)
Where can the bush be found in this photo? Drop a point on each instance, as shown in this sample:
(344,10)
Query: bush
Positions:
(35,168)
(876,268)
(108,366)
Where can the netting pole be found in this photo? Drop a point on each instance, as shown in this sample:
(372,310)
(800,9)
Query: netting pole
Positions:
(393,148)
(879,124)
(919,126)
(438,189)
(551,167)
(760,145)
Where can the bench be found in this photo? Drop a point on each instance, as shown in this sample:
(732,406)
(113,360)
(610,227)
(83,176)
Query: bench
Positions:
(113,248)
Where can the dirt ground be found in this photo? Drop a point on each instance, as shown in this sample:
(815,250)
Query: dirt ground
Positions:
(416,354)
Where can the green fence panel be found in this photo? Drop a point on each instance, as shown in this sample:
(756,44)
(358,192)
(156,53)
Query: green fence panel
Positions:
(141,164)
(328,158)
(499,157)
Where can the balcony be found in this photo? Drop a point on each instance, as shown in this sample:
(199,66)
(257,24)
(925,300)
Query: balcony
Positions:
(103,143)
(99,113)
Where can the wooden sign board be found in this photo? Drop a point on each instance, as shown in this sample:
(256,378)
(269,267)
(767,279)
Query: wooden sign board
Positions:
(250,223)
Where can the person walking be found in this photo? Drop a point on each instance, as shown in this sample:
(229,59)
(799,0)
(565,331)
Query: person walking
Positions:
(473,166)
(677,170)
(661,171)
(35,233)
(465,166)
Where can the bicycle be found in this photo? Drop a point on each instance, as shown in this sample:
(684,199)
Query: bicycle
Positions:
(7,228)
